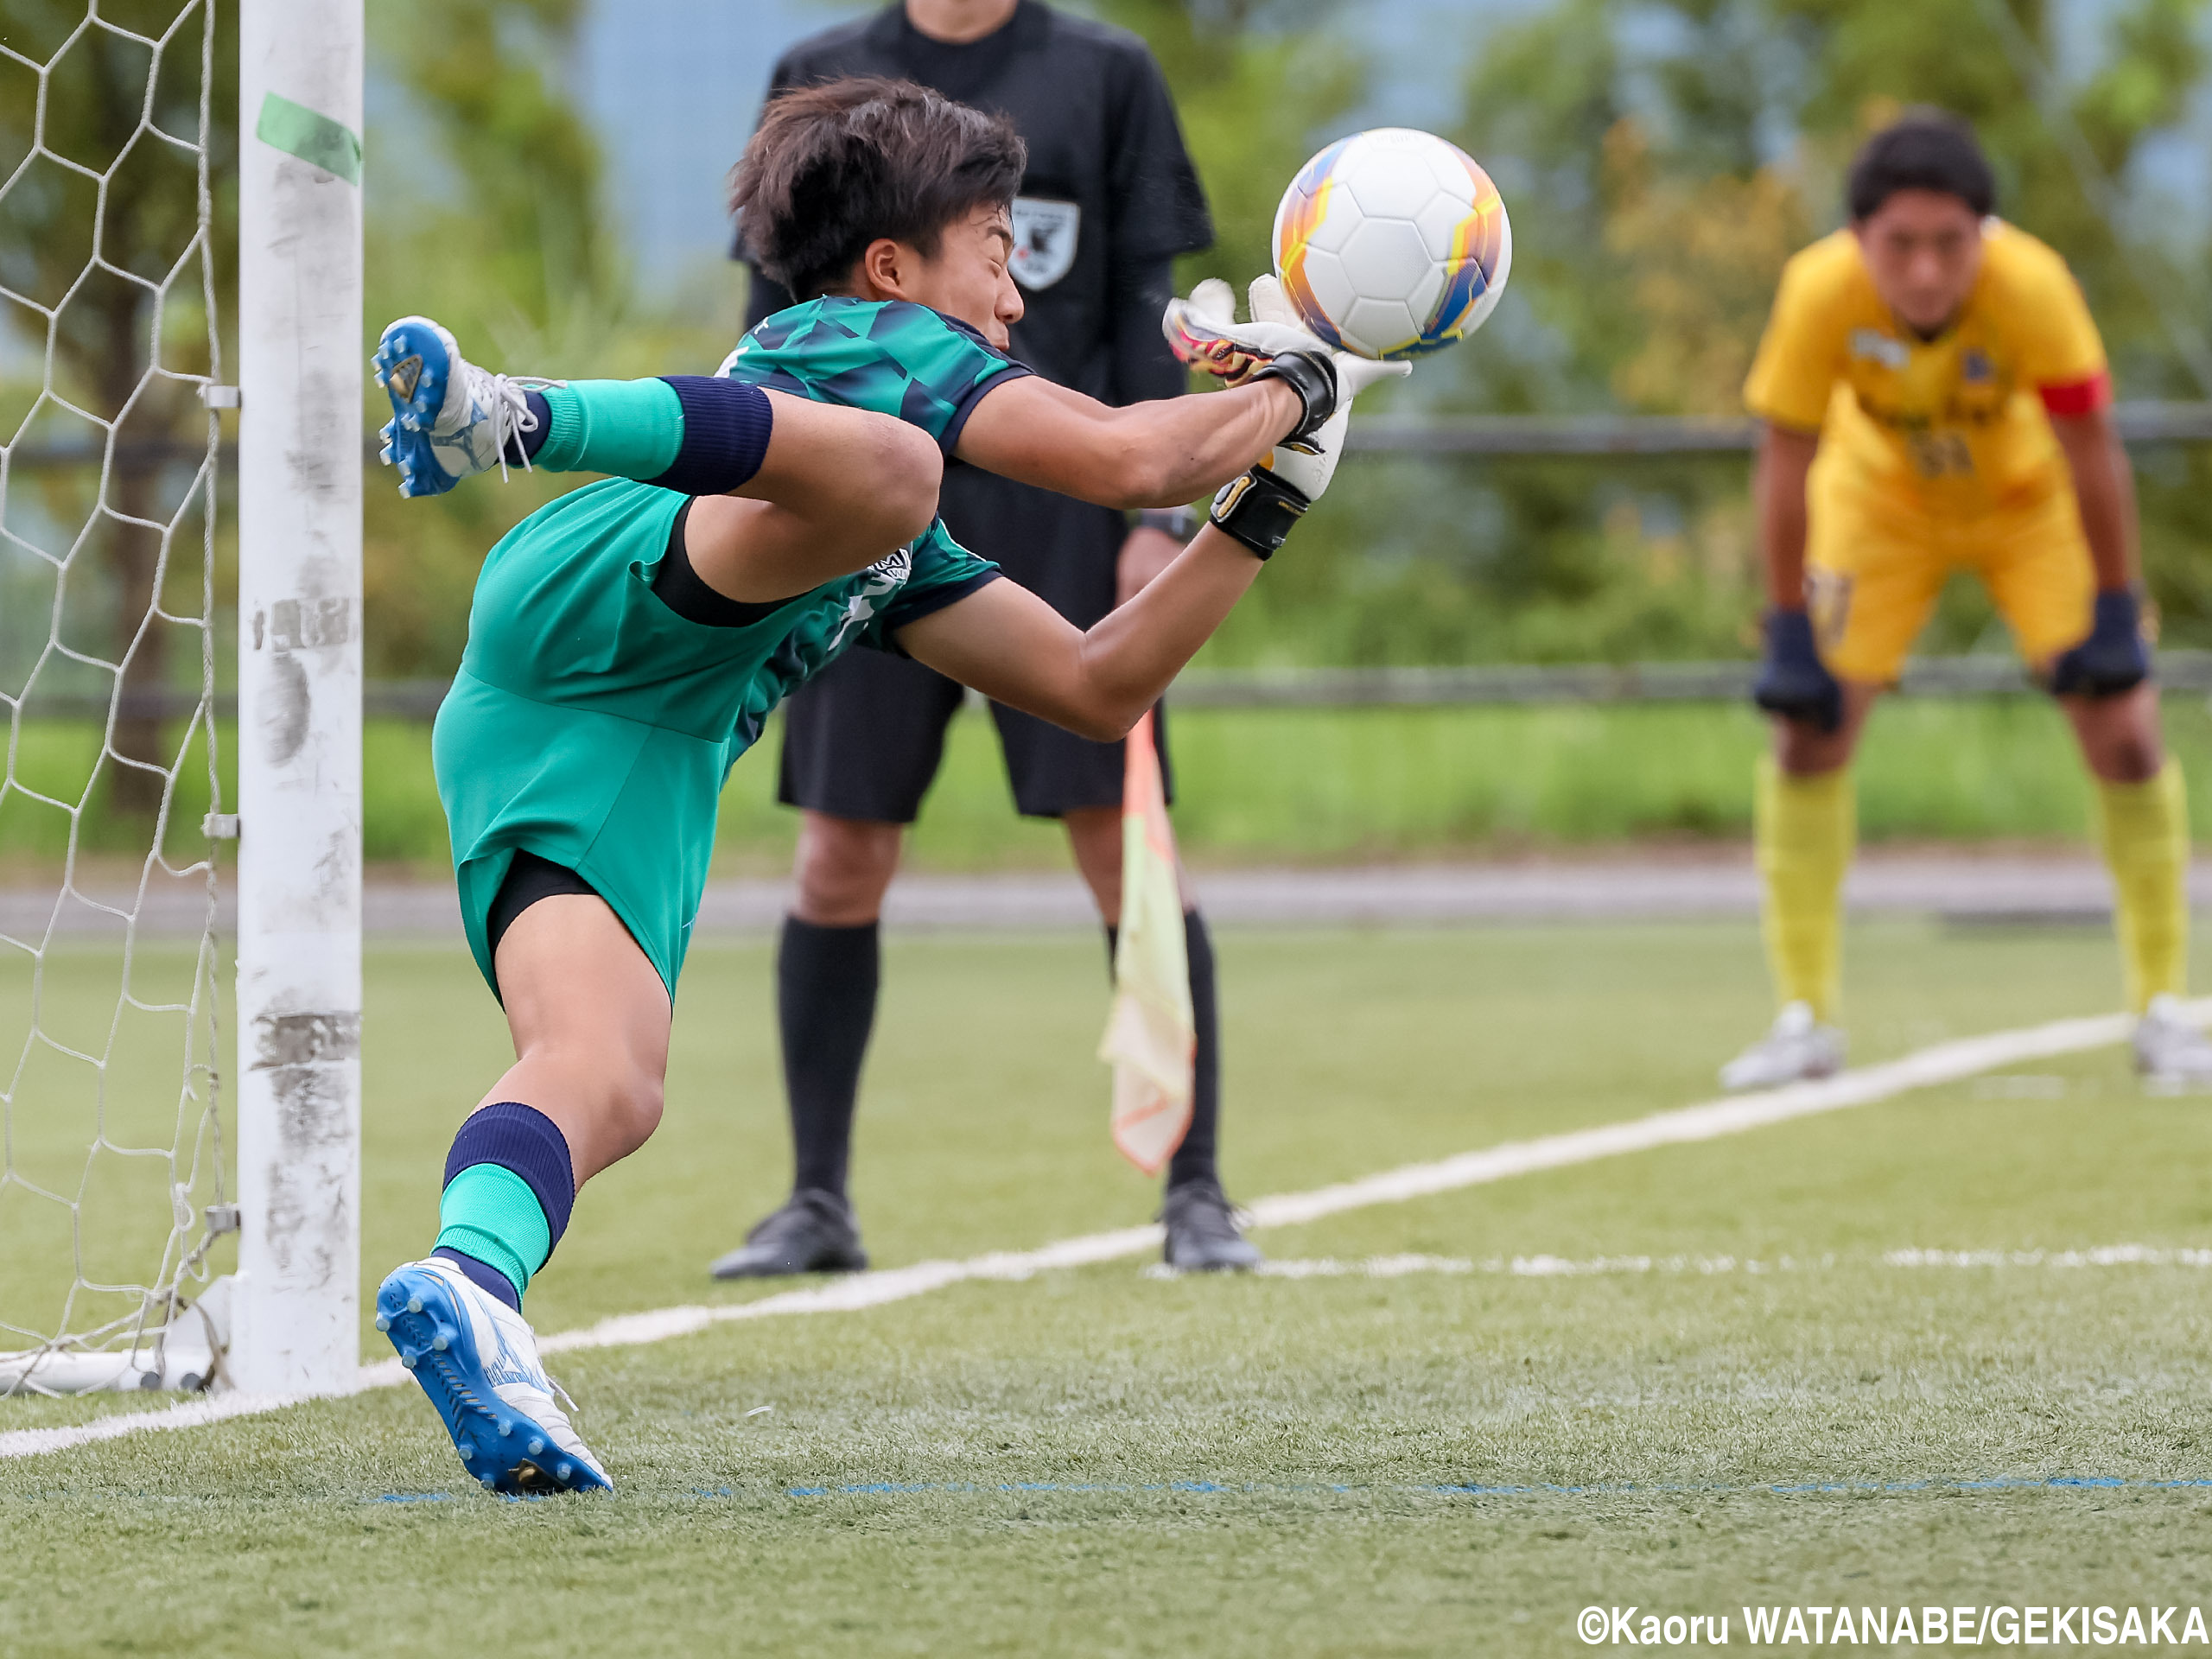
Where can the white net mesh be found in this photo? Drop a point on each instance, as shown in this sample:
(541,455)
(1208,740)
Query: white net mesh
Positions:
(111,1151)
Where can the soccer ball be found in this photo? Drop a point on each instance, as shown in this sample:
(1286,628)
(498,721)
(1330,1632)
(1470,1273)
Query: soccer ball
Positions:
(1393,243)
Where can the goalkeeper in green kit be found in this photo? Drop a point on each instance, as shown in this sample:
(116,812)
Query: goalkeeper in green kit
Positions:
(628,640)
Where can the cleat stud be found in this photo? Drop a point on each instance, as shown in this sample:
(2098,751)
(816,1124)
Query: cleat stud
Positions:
(438,1342)
(414,1304)
(383,1322)
(507,1427)
(561,1470)
(536,1444)
(490,1485)
(407,1360)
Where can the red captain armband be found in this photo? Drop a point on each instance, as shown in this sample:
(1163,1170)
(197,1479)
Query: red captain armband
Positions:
(2078,397)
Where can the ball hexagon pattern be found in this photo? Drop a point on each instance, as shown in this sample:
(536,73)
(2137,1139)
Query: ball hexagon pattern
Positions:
(1392,243)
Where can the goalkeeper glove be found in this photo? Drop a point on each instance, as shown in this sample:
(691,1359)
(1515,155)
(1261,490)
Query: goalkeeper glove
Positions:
(1204,331)
(1793,681)
(2114,659)
(1259,507)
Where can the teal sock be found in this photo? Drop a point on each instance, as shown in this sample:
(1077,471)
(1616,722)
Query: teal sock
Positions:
(490,1213)
(625,428)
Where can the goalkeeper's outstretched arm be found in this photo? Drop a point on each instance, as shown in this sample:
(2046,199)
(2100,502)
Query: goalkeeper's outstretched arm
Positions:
(1284,382)
(1015,649)
(1162,453)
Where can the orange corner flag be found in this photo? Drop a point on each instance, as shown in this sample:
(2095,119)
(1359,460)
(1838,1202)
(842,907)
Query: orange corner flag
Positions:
(1151,1037)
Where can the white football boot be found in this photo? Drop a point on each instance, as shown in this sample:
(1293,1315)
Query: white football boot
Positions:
(477,1359)
(1797,1048)
(449,418)
(2173,1055)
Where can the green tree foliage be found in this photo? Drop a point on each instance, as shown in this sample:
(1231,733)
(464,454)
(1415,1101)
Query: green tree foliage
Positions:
(1662,162)
(483,207)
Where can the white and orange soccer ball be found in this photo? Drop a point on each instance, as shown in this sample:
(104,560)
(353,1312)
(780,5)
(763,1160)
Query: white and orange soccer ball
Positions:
(1393,243)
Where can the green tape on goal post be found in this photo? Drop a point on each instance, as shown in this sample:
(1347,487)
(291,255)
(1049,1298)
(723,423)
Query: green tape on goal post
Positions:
(315,139)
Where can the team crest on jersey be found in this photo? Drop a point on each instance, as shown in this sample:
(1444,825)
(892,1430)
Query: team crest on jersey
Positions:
(1975,368)
(1044,240)
(1873,343)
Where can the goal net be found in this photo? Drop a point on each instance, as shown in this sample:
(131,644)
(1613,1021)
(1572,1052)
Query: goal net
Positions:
(113,1180)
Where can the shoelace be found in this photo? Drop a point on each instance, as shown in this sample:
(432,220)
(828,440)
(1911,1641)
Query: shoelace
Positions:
(509,410)
(574,1410)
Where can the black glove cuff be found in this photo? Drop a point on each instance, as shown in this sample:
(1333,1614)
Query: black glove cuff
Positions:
(1258,509)
(2116,611)
(1791,628)
(1313,377)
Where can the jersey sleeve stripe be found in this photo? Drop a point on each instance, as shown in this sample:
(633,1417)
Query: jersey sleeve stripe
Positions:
(974,395)
(2078,397)
(931,601)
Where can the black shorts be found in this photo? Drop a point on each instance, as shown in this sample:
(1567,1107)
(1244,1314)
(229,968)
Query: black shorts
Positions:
(529,879)
(864,737)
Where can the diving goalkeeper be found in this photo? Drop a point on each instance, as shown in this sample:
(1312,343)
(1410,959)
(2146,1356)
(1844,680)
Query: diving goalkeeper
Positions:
(627,641)
(1936,399)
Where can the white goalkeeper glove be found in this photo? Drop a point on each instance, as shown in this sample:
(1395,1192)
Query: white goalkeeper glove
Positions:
(1259,507)
(1203,332)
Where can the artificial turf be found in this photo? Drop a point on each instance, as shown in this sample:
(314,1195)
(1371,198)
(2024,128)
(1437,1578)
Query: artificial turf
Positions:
(1103,1461)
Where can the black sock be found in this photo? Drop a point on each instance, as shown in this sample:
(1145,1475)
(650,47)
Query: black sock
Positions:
(826,981)
(1194,1159)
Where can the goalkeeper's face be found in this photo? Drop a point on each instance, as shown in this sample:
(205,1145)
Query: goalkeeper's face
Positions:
(1923,250)
(967,277)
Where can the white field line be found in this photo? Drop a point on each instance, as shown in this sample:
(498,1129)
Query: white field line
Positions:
(2104,1255)
(1926,1068)
(1560,1267)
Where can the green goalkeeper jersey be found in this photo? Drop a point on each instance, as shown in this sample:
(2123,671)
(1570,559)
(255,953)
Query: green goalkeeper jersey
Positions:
(897,359)
(593,726)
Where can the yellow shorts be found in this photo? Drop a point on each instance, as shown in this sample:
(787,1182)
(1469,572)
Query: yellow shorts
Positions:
(1876,563)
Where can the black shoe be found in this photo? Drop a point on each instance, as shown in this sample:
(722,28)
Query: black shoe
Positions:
(813,1232)
(1202,1234)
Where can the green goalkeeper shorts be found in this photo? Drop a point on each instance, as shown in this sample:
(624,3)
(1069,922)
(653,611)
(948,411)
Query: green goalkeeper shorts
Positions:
(592,725)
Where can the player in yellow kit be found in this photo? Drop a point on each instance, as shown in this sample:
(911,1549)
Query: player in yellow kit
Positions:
(1935,399)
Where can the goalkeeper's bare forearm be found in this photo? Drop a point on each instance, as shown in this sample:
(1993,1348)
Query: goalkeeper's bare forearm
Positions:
(1015,649)
(1162,454)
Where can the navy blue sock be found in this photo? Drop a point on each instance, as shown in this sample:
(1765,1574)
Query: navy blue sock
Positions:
(487,1279)
(522,446)
(510,1186)
(726,427)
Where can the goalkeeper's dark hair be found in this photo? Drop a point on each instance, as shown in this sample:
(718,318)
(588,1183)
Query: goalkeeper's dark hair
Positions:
(837,166)
(1924,149)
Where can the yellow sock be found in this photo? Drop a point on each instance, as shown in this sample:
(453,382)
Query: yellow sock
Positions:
(1805,829)
(2145,828)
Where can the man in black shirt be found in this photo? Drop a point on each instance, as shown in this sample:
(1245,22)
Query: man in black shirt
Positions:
(1111,198)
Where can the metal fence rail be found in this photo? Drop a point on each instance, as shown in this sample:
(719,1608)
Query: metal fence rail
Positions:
(2141,424)
(1981,675)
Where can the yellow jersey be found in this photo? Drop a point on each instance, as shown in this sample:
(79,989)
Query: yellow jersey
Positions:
(1960,423)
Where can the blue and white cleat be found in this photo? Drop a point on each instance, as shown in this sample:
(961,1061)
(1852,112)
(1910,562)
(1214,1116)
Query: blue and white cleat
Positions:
(449,418)
(477,1359)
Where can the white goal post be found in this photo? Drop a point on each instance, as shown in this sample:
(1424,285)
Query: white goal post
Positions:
(117,1186)
(296,1311)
